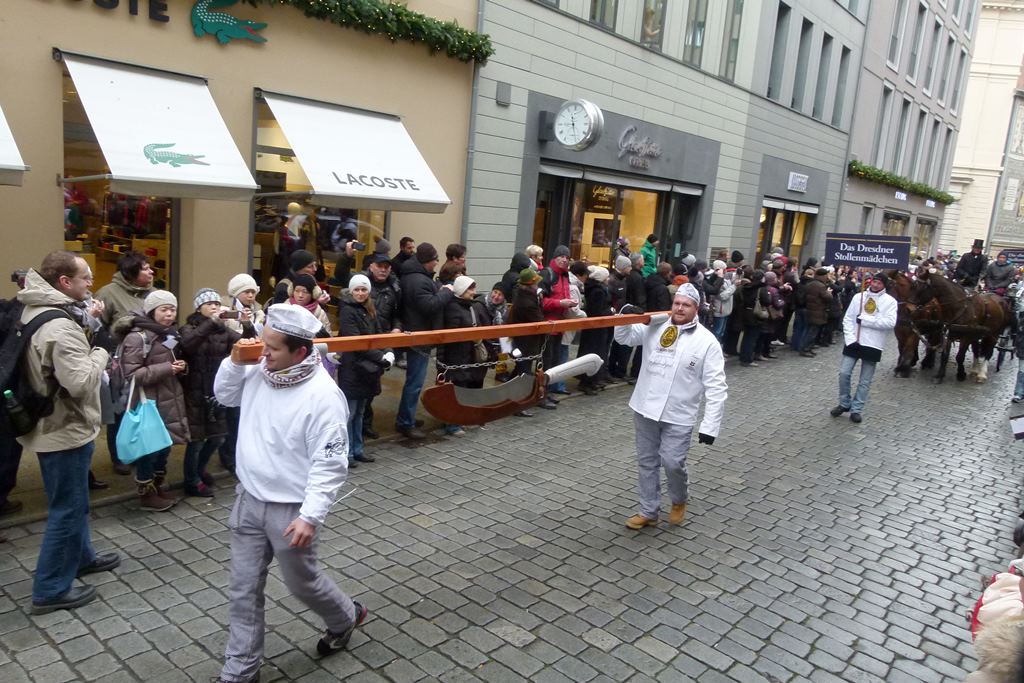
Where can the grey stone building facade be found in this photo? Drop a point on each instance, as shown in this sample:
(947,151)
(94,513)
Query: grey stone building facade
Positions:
(725,126)
(909,103)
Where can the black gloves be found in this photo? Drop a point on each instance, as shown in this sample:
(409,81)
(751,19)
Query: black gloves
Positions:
(704,438)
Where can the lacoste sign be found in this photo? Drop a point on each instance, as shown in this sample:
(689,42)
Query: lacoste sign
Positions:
(157,9)
(206,20)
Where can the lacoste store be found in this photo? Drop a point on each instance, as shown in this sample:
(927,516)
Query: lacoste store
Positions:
(592,176)
(217,141)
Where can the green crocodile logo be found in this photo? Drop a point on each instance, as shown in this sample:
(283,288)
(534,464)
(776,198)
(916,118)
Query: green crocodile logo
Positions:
(157,154)
(224,26)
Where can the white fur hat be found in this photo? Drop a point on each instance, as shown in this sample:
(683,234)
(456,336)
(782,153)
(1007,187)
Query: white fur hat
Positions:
(241,283)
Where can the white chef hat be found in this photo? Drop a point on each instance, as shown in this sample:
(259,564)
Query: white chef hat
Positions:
(293,320)
(686,289)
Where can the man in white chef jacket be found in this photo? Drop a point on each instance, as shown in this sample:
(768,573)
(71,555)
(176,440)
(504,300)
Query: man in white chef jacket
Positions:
(291,459)
(682,362)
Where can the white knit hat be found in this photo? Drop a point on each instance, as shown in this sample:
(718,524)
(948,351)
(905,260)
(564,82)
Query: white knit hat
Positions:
(599,273)
(359,280)
(461,284)
(205,296)
(241,283)
(718,265)
(158,298)
(293,320)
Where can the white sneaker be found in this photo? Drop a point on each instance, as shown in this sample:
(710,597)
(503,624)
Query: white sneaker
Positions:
(1017,399)
(776,342)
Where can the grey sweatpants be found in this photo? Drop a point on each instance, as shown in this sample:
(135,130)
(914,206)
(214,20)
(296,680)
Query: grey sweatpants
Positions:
(257,537)
(660,444)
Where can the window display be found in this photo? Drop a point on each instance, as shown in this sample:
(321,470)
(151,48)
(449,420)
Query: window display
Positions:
(102,226)
(287,218)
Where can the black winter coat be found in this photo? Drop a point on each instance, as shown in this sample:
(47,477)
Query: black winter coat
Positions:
(205,342)
(387,297)
(636,292)
(423,300)
(526,309)
(617,290)
(598,304)
(749,294)
(511,277)
(360,371)
(657,294)
(457,314)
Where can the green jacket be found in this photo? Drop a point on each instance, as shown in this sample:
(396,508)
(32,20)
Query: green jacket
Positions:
(650,255)
(120,299)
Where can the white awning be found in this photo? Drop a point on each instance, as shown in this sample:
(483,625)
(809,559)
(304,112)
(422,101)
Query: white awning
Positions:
(561,171)
(357,159)
(12,167)
(160,133)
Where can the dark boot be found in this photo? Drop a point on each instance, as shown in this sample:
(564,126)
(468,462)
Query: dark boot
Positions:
(150,498)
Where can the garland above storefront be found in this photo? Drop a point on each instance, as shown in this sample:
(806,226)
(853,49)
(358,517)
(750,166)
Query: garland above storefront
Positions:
(877,175)
(397,22)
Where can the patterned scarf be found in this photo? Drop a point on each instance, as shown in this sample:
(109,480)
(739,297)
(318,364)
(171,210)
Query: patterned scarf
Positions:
(293,376)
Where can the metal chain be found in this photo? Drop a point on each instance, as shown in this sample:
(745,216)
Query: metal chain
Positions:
(442,368)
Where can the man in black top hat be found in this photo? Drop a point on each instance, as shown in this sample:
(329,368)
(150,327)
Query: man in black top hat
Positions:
(972,265)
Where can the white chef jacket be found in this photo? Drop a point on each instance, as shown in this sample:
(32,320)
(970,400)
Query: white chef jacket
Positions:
(292,441)
(673,378)
(877,319)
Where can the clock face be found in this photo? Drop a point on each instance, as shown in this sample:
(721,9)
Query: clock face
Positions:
(577,124)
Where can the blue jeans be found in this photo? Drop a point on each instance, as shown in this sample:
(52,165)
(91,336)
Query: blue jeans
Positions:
(810,336)
(799,325)
(867,373)
(356,408)
(197,456)
(719,330)
(415,373)
(1019,389)
(149,465)
(563,357)
(66,544)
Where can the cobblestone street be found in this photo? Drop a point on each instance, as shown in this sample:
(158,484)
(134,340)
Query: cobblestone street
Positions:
(814,549)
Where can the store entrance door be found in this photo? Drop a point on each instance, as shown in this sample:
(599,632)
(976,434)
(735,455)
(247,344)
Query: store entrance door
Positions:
(780,227)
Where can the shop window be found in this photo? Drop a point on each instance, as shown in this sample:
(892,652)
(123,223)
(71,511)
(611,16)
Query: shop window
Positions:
(894,224)
(653,24)
(603,12)
(287,216)
(693,42)
(924,237)
(102,226)
(782,228)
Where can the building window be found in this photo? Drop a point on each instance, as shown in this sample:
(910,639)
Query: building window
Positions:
(820,88)
(854,4)
(899,148)
(917,42)
(933,143)
(933,56)
(946,65)
(693,43)
(896,36)
(972,7)
(882,126)
(894,224)
(865,218)
(955,13)
(652,28)
(942,172)
(731,46)
(954,98)
(602,12)
(778,52)
(803,56)
(844,72)
(915,150)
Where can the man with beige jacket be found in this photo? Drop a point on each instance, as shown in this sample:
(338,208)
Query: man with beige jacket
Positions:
(58,361)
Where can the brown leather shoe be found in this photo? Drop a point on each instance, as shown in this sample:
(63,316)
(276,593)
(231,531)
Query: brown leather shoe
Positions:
(150,498)
(677,514)
(637,522)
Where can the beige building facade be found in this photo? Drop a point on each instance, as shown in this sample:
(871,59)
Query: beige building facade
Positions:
(984,149)
(195,241)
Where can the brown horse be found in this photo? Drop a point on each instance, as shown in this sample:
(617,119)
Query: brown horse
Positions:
(974,320)
(913,323)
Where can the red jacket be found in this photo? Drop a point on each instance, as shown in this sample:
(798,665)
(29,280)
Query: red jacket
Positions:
(554,292)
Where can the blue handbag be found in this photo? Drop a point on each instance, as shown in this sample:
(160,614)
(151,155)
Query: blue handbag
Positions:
(142,430)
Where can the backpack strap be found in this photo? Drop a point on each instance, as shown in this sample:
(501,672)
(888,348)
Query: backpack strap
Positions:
(14,346)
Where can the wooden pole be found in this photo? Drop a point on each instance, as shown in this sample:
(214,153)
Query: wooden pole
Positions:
(249,350)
